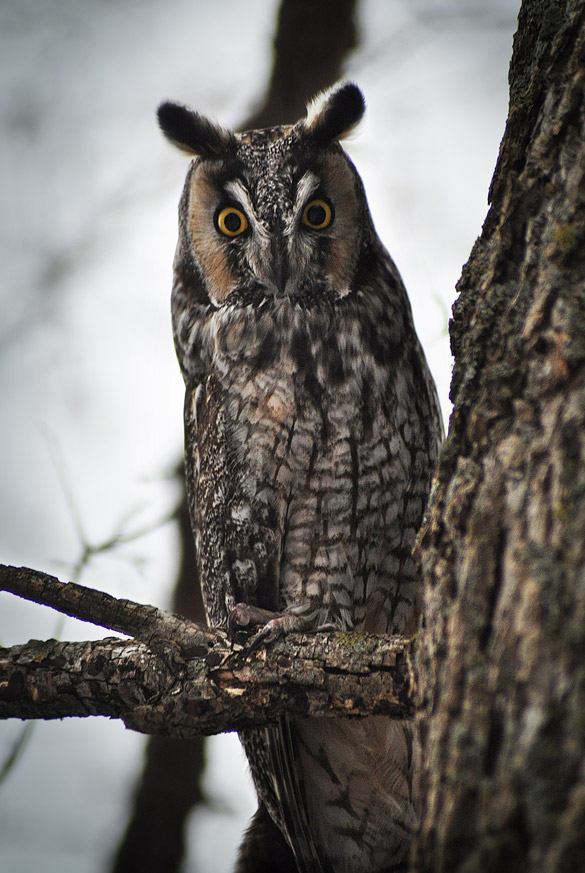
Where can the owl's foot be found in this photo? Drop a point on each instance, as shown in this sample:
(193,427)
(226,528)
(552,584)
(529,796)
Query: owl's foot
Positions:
(245,618)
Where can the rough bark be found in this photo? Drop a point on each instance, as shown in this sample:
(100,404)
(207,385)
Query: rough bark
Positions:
(501,660)
(177,679)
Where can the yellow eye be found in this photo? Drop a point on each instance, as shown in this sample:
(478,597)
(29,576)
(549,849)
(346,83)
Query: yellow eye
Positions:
(317,214)
(231,221)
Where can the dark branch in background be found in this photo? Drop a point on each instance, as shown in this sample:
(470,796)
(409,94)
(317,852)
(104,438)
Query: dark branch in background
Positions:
(180,680)
(311,45)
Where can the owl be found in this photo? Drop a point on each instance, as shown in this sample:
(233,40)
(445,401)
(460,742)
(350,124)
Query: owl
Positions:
(311,432)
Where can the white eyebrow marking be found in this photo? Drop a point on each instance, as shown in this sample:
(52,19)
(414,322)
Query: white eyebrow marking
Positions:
(239,193)
(308,183)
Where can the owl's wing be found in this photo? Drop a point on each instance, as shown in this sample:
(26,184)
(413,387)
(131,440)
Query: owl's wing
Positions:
(275,765)
(234,522)
(287,769)
(238,543)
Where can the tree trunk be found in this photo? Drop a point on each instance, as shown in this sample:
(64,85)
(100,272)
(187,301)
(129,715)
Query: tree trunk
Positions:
(502,656)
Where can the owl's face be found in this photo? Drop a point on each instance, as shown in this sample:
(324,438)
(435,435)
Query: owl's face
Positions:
(272,213)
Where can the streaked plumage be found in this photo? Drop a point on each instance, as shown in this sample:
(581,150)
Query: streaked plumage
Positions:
(312,428)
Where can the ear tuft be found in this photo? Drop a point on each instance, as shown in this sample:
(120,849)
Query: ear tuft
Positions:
(333,114)
(193,133)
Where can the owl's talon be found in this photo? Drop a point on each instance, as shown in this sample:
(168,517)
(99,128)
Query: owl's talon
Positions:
(244,619)
(272,631)
(250,625)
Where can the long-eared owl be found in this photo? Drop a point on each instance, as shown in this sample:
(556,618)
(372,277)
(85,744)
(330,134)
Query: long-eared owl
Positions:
(311,432)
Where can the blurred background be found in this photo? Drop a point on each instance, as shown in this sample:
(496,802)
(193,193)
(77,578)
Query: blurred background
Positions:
(90,392)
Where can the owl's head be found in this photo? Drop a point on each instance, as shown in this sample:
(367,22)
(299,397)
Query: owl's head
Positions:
(271,213)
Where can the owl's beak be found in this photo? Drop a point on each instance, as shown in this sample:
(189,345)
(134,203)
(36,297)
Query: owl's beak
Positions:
(279,262)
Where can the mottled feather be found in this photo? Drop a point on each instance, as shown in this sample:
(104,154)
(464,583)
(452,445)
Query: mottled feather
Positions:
(311,433)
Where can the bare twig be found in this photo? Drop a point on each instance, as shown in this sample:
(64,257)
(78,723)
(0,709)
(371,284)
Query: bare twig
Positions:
(146,623)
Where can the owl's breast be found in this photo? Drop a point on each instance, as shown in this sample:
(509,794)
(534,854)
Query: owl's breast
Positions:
(310,424)
(323,349)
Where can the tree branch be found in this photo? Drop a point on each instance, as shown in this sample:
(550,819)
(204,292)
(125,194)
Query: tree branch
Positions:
(145,623)
(178,679)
